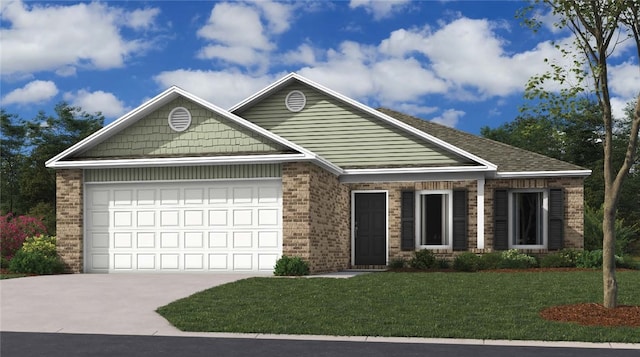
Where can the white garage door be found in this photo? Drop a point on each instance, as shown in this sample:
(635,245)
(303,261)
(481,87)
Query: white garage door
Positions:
(183,226)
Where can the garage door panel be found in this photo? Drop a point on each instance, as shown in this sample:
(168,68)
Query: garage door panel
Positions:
(187,226)
(194,240)
(218,240)
(146,240)
(146,218)
(193,218)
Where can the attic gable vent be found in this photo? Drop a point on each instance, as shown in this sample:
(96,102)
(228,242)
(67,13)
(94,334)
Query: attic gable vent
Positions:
(295,101)
(179,119)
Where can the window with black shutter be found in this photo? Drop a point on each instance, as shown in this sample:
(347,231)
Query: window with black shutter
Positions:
(460,215)
(407,227)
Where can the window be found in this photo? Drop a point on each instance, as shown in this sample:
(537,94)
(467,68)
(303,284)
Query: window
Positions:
(528,219)
(434,223)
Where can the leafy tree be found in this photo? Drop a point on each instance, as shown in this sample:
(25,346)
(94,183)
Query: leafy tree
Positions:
(27,145)
(598,26)
(12,159)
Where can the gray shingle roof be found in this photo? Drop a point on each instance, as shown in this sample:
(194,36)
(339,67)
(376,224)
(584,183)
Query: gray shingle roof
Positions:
(508,158)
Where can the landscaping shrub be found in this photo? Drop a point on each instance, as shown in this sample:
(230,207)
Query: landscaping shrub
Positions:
(442,264)
(562,259)
(397,263)
(14,231)
(590,259)
(626,234)
(466,261)
(423,259)
(627,262)
(593,259)
(37,256)
(513,259)
(291,266)
(490,261)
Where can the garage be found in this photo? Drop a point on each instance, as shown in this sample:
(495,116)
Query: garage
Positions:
(184,226)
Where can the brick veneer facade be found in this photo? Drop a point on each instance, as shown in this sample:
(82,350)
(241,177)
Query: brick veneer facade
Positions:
(69,218)
(316,217)
(317,214)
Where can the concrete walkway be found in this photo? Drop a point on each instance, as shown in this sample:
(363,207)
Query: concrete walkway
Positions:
(125,304)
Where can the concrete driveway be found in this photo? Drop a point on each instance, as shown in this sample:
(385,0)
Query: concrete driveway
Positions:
(98,303)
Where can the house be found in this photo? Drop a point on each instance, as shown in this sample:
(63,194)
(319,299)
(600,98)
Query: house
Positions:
(180,185)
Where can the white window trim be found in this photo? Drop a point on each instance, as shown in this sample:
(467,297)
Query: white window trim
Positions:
(545,217)
(448,217)
(353,223)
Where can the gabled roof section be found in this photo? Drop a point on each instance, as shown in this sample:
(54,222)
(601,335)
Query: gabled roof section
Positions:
(280,149)
(479,163)
(510,160)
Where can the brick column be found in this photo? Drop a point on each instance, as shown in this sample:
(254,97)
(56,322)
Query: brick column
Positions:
(69,218)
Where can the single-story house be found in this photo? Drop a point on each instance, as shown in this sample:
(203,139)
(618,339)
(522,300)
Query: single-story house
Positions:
(181,185)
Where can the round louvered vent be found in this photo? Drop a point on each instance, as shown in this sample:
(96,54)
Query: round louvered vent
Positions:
(295,101)
(179,119)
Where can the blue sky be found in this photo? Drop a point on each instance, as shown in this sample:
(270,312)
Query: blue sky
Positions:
(460,63)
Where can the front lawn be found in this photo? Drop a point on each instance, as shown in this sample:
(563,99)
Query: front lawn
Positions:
(484,305)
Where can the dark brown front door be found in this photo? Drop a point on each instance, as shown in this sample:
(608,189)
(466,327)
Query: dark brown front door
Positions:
(370,228)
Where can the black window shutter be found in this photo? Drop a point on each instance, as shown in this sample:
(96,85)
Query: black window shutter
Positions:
(500,219)
(556,218)
(459,233)
(407,221)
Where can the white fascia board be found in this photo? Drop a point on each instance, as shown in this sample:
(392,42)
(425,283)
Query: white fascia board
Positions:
(418,170)
(395,122)
(413,177)
(540,174)
(180,161)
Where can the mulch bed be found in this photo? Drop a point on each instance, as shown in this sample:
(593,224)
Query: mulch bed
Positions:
(592,314)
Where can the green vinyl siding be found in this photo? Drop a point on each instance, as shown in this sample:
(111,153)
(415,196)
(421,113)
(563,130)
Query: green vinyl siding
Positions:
(208,133)
(344,135)
(183,173)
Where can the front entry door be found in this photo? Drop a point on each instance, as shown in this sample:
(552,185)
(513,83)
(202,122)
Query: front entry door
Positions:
(370,228)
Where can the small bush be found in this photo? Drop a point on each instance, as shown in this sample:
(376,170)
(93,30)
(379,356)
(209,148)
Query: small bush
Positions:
(513,259)
(4,262)
(37,256)
(397,263)
(423,259)
(14,231)
(590,259)
(561,259)
(593,259)
(490,261)
(291,266)
(466,261)
(442,264)
(627,262)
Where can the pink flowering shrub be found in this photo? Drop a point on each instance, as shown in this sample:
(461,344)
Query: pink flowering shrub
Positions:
(14,231)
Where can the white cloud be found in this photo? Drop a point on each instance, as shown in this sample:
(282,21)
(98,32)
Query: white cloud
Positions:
(91,102)
(240,33)
(50,37)
(222,88)
(245,56)
(380,9)
(304,54)
(235,25)
(449,117)
(33,92)
(624,79)
(278,15)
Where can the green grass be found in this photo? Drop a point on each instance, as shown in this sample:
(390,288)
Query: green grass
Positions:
(449,305)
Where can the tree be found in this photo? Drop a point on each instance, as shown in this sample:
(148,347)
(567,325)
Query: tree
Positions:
(12,158)
(598,26)
(27,145)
